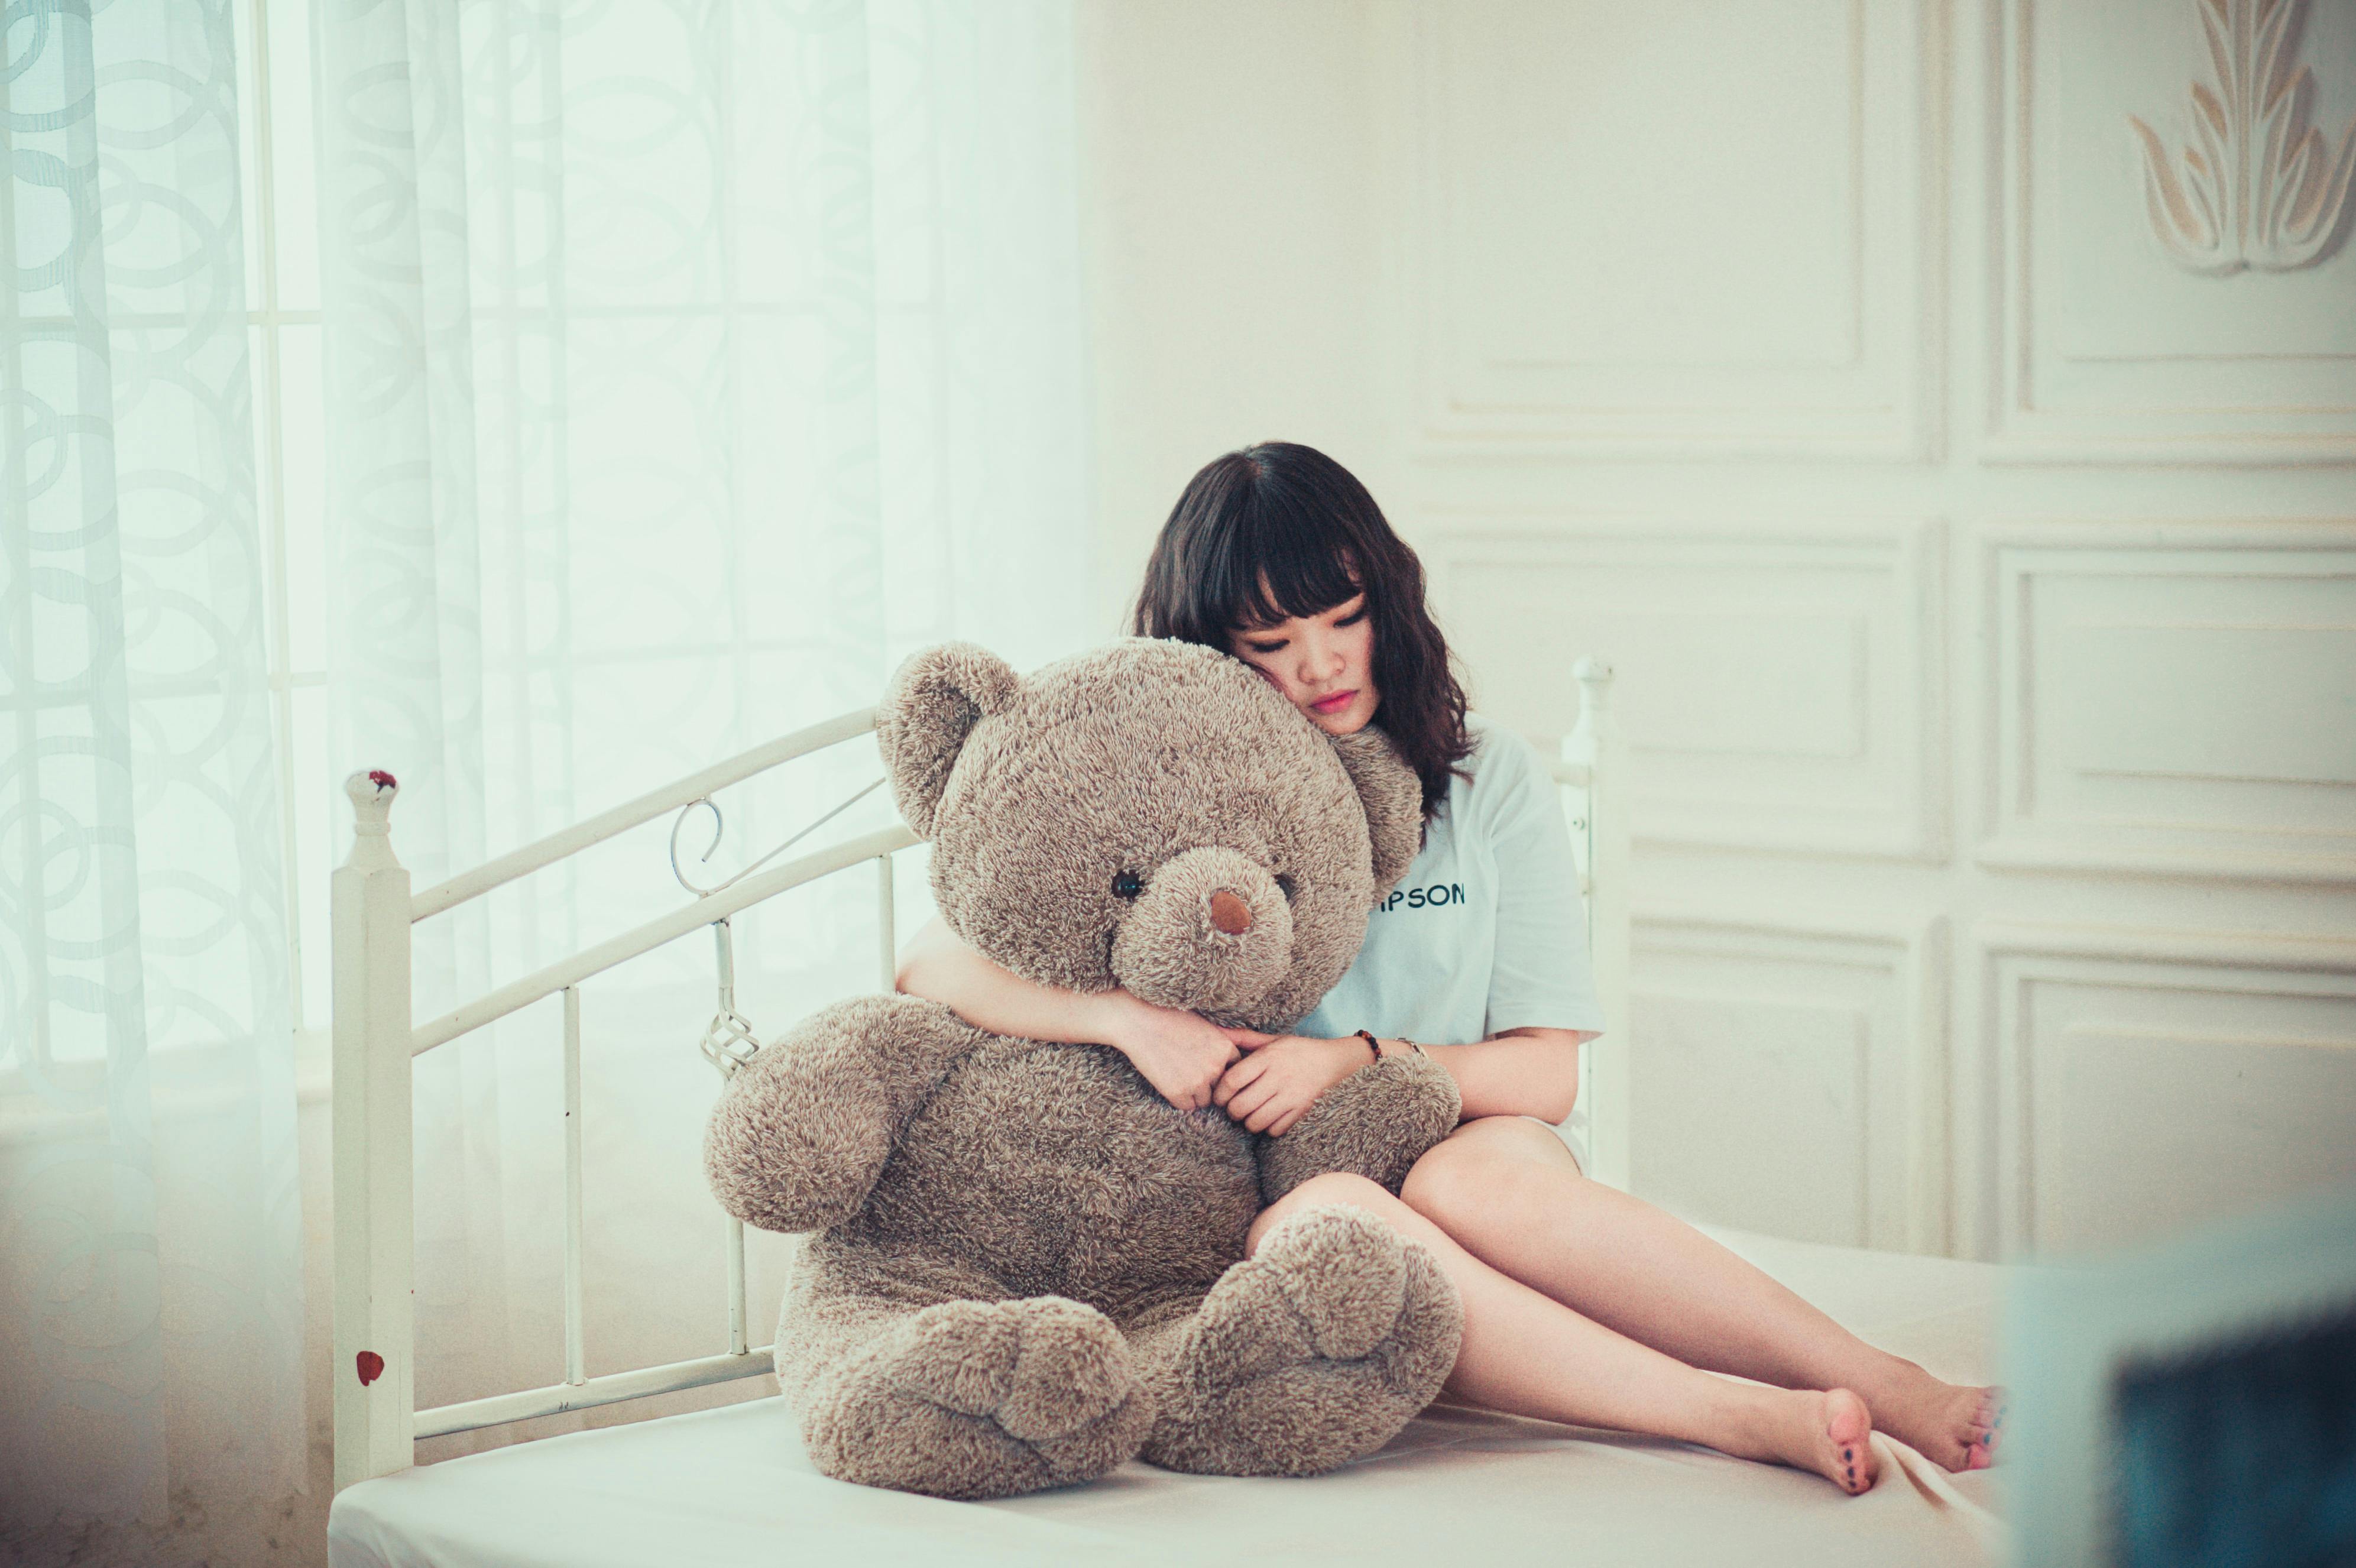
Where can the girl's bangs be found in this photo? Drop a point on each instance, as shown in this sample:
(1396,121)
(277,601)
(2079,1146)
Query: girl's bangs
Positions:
(1272,566)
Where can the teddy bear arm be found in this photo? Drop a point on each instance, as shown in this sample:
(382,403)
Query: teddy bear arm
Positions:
(801,1132)
(1375,1123)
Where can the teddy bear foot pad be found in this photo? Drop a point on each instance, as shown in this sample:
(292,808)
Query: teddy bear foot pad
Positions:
(971,1398)
(1311,1353)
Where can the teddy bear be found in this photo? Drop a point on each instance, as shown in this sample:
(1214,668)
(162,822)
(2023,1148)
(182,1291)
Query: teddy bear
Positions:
(1022,1266)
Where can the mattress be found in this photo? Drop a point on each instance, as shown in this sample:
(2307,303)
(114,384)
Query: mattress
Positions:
(732,1486)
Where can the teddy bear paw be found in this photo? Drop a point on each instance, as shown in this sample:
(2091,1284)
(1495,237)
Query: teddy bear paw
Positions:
(987,1399)
(1312,1352)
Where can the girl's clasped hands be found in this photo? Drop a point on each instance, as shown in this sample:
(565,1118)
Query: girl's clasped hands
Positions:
(1279,1077)
(1265,1081)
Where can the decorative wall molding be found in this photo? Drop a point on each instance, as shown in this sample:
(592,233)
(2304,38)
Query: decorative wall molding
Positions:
(2260,188)
(2183,948)
(2123,1084)
(2101,345)
(1785,680)
(1845,1026)
(2170,699)
(1835,183)
(2152,706)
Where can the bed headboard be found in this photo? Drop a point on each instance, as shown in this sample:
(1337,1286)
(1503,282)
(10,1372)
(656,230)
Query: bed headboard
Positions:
(375,1041)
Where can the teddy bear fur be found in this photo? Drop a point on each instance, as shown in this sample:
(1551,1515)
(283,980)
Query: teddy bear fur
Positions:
(1026,1266)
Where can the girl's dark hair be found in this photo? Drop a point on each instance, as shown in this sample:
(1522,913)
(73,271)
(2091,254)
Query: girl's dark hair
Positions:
(1279,529)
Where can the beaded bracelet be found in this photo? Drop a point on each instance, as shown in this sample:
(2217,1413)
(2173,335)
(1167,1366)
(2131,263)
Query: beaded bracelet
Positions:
(1375,1046)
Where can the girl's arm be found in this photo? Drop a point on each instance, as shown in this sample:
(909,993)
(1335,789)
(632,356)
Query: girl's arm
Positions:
(1528,1071)
(1179,1053)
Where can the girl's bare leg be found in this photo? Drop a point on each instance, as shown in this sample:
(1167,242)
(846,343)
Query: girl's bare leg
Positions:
(1509,1190)
(1529,1355)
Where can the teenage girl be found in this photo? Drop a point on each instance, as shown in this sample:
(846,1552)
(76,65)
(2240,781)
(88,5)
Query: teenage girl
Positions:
(1581,1303)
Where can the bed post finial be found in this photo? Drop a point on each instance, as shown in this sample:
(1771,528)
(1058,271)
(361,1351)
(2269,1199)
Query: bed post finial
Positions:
(371,794)
(1595,684)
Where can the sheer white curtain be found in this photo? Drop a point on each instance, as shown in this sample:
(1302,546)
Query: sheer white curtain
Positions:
(151,1308)
(686,363)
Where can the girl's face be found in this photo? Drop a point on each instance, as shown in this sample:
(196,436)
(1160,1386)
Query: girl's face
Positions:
(1322,664)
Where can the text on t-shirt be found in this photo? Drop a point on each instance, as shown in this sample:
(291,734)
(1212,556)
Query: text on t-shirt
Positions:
(1429,897)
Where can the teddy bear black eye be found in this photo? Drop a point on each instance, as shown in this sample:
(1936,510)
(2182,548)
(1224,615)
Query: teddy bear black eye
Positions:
(1127,884)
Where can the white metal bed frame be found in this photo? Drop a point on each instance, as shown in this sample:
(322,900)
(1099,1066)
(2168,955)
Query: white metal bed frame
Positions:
(376,1421)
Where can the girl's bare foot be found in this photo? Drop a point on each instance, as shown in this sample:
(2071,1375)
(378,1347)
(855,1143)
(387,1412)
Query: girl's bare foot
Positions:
(1840,1433)
(1954,1424)
(1829,1432)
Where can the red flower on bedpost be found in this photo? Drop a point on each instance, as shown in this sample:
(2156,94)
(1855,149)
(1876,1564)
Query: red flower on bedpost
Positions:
(371,1367)
(382,780)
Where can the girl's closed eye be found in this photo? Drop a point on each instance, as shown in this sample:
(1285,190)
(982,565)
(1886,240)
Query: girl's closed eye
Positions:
(1279,644)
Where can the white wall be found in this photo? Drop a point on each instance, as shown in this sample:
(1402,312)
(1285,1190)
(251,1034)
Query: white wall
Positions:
(1983,582)
(1228,231)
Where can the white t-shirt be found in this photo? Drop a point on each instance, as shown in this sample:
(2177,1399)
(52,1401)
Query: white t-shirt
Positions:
(1487,932)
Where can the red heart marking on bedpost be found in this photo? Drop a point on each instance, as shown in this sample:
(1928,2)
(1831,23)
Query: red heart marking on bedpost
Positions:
(371,1367)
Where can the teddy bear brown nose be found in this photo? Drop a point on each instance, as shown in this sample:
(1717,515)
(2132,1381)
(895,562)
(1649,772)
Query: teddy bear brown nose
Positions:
(1211,931)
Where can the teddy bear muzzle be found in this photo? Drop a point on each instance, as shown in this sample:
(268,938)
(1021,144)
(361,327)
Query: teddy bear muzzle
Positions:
(1211,930)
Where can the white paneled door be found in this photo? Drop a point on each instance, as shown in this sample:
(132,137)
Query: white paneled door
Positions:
(1945,414)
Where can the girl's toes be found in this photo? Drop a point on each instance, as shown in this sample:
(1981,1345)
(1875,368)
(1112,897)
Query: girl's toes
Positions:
(1994,1433)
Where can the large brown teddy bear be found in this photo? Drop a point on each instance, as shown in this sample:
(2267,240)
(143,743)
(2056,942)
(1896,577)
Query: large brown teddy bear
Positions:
(1028,1265)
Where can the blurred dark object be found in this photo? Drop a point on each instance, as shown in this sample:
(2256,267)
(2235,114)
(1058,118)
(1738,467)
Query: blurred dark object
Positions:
(2240,1454)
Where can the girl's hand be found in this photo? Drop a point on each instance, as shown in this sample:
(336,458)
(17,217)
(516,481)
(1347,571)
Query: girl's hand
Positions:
(1181,1054)
(1281,1076)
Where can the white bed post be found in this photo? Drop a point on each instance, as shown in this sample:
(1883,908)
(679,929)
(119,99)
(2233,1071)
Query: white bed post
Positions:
(1596,742)
(375,1391)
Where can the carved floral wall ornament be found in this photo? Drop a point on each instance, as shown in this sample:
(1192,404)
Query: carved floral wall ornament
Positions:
(2259,187)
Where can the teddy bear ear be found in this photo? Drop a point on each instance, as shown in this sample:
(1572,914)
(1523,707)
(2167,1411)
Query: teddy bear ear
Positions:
(930,709)
(1393,796)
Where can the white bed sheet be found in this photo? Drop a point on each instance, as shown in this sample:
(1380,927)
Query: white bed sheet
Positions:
(732,1486)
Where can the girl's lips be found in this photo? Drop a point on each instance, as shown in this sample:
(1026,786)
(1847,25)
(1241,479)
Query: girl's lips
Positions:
(1334,703)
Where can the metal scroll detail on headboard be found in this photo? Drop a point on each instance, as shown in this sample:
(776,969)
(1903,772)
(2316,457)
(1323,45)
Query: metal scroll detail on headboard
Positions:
(729,1040)
(718,824)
